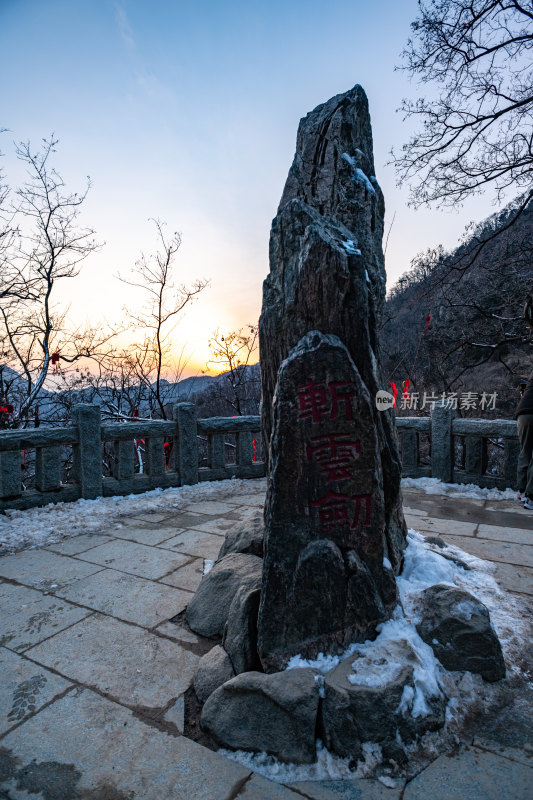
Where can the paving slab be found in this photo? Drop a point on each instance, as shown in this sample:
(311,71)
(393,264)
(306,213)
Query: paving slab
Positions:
(259,788)
(195,543)
(515,579)
(255,499)
(44,570)
(178,633)
(85,746)
(438,526)
(150,517)
(217,525)
(353,790)
(212,507)
(176,714)
(25,688)
(506,534)
(137,559)
(78,544)
(136,667)
(413,512)
(143,534)
(186,519)
(472,774)
(523,755)
(127,597)
(187,577)
(496,512)
(28,617)
(505,552)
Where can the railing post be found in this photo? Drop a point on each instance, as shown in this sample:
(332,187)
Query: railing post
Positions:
(216,455)
(155,456)
(244,453)
(48,468)
(10,474)
(124,458)
(442,455)
(410,450)
(88,452)
(187,443)
(476,455)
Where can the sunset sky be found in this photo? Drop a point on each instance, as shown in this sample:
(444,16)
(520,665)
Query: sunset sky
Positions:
(188,112)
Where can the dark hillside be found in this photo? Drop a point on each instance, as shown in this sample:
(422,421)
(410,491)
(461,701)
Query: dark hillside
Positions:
(455,323)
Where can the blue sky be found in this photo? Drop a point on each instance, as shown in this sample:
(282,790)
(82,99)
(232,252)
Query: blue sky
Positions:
(188,112)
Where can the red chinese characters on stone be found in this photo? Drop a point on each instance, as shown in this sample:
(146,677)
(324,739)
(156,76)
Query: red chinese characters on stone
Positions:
(335,510)
(320,400)
(335,454)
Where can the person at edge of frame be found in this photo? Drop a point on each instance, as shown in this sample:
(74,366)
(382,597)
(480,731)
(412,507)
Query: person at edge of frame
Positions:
(524,419)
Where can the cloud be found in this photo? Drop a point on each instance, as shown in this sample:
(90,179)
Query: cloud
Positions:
(124,27)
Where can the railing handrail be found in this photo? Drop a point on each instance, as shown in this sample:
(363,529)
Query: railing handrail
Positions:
(184,429)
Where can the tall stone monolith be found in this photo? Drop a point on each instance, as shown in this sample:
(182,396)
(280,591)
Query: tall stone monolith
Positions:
(334,525)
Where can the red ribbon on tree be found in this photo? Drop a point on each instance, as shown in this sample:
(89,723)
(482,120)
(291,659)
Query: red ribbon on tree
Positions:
(428,320)
(55,358)
(394,392)
(405,386)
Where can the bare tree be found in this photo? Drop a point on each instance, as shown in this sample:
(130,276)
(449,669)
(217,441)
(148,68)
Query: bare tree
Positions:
(233,352)
(152,358)
(478,130)
(44,245)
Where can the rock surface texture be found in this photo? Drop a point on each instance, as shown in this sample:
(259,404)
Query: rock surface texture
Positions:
(214,669)
(240,635)
(246,537)
(327,275)
(457,626)
(266,713)
(208,611)
(358,709)
(324,583)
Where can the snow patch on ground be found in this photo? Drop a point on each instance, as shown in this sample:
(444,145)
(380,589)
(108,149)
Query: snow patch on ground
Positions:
(327,767)
(434,486)
(37,527)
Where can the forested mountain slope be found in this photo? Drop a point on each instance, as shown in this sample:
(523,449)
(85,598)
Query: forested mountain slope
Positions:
(455,321)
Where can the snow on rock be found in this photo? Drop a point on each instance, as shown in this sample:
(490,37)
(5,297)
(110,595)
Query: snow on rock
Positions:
(360,177)
(398,644)
(349,246)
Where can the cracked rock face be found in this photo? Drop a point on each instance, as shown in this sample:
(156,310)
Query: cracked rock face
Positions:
(266,713)
(327,276)
(457,626)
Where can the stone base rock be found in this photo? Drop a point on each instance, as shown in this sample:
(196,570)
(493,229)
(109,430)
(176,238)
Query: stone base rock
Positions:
(266,713)
(353,713)
(213,670)
(457,626)
(208,611)
(246,537)
(240,636)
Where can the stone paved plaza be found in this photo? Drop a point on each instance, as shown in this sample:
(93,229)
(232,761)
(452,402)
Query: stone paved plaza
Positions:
(95,663)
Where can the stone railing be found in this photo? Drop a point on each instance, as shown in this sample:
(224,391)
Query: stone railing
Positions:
(84,439)
(87,434)
(443,430)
